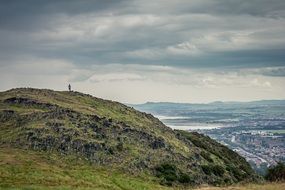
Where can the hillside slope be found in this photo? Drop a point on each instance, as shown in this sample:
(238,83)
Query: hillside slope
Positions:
(113,136)
(34,170)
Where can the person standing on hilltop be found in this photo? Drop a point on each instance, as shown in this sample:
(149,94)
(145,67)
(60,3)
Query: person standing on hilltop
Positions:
(69,87)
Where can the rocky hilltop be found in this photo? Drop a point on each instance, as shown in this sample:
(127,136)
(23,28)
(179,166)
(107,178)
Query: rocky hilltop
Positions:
(112,135)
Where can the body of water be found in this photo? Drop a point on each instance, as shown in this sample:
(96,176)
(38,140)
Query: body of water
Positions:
(187,126)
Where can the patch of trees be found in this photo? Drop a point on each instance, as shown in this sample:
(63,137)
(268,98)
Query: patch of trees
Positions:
(276,173)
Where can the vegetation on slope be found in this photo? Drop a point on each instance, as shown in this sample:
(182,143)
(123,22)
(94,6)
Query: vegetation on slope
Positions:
(111,135)
(26,169)
(36,170)
(229,161)
(276,173)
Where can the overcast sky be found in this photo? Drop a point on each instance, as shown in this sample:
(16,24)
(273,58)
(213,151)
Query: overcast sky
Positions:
(136,51)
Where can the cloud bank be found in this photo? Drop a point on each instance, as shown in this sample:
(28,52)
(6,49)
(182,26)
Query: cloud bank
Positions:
(136,51)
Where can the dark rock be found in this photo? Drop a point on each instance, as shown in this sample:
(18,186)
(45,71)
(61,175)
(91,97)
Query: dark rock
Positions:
(28,102)
(158,143)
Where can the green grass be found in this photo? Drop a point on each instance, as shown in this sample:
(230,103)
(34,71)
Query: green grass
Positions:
(31,170)
(22,169)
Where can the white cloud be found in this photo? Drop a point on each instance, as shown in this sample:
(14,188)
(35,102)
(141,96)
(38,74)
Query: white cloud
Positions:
(257,83)
(152,54)
(109,77)
(141,83)
(185,48)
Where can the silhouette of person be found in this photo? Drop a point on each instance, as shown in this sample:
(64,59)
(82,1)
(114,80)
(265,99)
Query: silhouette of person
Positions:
(69,88)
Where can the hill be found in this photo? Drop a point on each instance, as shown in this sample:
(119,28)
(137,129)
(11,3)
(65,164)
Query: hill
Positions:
(53,138)
(172,108)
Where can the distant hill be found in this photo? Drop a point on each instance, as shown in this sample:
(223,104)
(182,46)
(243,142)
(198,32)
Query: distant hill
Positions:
(162,107)
(173,104)
(47,133)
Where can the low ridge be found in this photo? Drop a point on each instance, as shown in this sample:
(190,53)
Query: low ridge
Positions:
(112,135)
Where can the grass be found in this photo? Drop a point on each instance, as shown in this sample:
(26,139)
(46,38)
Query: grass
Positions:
(266,186)
(22,169)
(31,170)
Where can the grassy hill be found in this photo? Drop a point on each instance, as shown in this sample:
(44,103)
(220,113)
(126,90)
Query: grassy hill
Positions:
(36,170)
(69,139)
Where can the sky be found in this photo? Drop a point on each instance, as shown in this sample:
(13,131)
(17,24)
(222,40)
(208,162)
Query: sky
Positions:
(135,51)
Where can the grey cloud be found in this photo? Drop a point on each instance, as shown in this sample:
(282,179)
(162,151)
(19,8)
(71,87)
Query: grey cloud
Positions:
(19,14)
(30,13)
(146,50)
(274,8)
(225,33)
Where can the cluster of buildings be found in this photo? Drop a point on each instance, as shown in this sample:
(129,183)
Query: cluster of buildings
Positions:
(259,147)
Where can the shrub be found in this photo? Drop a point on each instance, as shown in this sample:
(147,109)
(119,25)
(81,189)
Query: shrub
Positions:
(207,156)
(120,146)
(218,170)
(206,169)
(276,173)
(184,178)
(227,181)
(215,169)
(169,174)
(235,172)
(110,150)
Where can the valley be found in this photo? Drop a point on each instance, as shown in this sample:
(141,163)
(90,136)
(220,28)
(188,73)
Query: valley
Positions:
(254,129)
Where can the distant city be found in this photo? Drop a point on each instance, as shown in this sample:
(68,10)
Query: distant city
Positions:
(256,130)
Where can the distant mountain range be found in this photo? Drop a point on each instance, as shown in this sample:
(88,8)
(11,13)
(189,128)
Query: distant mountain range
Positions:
(258,102)
(153,107)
